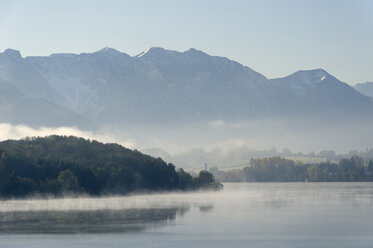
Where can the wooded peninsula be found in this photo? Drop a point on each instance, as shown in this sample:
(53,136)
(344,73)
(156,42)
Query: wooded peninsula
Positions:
(59,165)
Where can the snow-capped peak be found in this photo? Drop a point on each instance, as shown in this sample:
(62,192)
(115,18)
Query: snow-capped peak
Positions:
(154,52)
(143,53)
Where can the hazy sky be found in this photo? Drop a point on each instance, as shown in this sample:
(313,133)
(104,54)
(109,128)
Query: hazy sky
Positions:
(274,37)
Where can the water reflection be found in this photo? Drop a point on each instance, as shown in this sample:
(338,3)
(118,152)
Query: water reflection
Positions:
(252,208)
(98,215)
(305,215)
(206,208)
(101,221)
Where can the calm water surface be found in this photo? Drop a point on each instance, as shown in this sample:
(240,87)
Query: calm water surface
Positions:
(242,215)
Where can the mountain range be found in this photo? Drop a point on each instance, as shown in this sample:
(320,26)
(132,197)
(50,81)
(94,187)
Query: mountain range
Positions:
(160,86)
(365,88)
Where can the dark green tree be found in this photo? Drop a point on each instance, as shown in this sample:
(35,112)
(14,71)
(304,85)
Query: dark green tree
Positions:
(204,178)
(68,182)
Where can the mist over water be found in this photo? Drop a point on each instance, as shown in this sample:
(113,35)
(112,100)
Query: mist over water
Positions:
(183,145)
(151,201)
(241,215)
(97,215)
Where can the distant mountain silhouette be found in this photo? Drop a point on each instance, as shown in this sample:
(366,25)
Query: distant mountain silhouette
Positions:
(162,86)
(365,88)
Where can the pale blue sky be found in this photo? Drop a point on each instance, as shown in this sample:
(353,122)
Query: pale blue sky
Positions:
(273,37)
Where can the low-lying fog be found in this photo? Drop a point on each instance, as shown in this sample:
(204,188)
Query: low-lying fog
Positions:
(242,210)
(141,201)
(218,142)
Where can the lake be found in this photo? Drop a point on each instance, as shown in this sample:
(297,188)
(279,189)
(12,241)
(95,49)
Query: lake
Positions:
(242,215)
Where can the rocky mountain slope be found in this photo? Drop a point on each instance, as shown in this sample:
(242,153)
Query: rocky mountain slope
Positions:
(160,86)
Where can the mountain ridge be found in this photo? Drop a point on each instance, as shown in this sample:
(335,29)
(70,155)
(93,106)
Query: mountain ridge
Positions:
(365,88)
(159,86)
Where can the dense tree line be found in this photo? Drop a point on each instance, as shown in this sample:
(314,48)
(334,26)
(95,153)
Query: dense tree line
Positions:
(59,164)
(277,169)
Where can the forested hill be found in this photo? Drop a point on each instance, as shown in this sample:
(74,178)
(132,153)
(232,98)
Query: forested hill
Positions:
(59,164)
(277,169)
